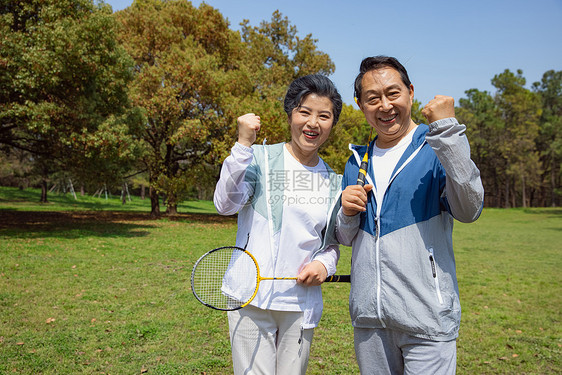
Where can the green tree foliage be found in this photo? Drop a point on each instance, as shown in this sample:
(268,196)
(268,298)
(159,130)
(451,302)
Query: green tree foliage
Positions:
(504,132)
(275,56)
(549,141)
(63,84)
(485,130)
(153,91)
(16,169)
(187,77)
(194,76)
(520,110)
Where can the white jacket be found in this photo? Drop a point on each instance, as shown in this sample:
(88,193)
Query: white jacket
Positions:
(245,174)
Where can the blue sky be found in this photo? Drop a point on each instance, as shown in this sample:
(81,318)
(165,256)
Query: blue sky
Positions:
(447,47)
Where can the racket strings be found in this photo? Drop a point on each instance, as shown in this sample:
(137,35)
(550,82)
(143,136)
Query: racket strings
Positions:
(225,279)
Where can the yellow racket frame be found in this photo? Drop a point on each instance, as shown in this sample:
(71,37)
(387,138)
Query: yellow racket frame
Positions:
(259,278)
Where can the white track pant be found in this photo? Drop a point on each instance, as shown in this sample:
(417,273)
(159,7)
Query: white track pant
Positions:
(267,342)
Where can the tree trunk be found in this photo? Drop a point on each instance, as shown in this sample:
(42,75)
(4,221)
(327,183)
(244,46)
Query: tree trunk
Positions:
(523,192)
(44,190)
(506,203)
(553,184)
(154,203)
(513,193)
(172,209)
(171,205)
(123,193)
(143,192)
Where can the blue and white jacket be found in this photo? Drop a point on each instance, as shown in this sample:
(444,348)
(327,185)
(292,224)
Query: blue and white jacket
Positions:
(249,184)
(403,273)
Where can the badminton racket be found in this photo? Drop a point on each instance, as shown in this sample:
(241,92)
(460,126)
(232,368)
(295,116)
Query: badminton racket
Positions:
(228,278)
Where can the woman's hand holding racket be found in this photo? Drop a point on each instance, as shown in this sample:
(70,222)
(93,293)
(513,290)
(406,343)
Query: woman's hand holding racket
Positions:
(314,273)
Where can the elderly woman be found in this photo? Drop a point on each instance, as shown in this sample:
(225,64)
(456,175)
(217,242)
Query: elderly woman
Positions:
(285,195)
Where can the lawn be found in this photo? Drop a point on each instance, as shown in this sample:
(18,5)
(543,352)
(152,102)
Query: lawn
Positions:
(96,287)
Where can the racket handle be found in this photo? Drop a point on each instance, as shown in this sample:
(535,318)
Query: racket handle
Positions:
(338,279)
(363,170)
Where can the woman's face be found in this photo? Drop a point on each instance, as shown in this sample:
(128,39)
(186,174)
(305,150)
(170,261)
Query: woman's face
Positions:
(311,124)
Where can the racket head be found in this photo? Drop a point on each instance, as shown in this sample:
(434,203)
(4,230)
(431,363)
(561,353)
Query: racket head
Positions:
(225,278)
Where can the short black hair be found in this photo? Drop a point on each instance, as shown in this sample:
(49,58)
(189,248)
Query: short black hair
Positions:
(317,84)
(373,63)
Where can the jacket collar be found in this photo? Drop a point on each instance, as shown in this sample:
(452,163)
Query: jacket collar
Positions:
(417,140)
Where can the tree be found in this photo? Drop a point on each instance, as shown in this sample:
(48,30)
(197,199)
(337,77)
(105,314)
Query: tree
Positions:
(275,56)
(16,169)
(549,141)
(520,110)
(416,114)
(485,130)
(186,74)
(63,84)
(194,76)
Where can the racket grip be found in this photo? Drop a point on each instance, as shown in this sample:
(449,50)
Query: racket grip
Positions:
(363,169)
(362,173)
(338,279)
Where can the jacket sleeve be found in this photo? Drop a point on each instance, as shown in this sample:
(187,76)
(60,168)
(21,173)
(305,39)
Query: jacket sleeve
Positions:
(347,227)
(463,187)
(234,188)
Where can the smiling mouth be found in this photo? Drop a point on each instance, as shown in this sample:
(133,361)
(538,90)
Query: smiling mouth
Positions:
(388,118)
(310,134)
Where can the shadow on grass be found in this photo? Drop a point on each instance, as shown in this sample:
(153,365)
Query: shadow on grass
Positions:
(71,224)
(75,224)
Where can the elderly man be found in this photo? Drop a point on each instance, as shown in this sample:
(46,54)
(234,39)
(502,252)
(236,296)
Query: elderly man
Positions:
(404,299)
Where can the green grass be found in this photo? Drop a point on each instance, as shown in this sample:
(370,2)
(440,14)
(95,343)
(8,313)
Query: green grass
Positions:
(508,265)
(97,287)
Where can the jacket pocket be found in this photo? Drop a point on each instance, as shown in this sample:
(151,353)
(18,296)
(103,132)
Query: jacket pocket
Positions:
(435,276)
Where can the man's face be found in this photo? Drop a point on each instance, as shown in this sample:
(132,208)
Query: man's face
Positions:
(386,103)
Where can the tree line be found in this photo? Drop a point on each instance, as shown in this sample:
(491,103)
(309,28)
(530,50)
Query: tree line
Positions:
(148,96)
(516,139)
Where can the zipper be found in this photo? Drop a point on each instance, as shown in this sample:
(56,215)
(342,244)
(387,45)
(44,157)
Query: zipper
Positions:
(378,226)
(434,274)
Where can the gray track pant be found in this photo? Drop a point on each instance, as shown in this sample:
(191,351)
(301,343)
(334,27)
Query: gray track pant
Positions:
(389,352)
